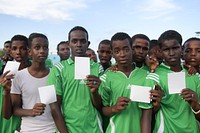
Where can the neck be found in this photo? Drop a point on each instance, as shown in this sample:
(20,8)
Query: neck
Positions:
(106,65)
(126,69)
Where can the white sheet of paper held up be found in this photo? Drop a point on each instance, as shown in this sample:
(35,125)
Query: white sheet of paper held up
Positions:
(176,82)
(82,67)
(140,93)
(47,94)
(13,66)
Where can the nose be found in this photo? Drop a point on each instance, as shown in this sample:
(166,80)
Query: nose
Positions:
(171,52)
(193,52)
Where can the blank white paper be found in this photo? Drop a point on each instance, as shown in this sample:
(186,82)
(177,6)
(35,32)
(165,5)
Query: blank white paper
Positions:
(82,67)
(140,93)
(176,82)
(13,66)
(47,94)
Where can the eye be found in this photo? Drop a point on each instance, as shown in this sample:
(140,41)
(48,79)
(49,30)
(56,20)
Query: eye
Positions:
(116,51)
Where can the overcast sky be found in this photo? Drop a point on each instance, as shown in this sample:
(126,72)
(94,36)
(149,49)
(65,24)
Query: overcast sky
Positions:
(102,18)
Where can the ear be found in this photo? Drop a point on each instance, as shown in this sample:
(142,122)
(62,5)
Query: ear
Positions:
(88,43)
(29,53)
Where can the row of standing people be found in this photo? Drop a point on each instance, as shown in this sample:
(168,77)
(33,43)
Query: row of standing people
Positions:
(80,102)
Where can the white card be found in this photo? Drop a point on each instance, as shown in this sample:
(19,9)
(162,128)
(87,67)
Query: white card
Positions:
(176,82)
(47,94)
(140,93)
(13,66)
(82,67)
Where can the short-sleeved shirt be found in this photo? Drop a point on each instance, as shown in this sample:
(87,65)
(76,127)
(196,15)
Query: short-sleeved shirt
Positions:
(175,115)
(79,113)
(8,126)
(116,84)
(27,86)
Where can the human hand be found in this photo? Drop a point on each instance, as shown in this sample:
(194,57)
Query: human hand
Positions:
(152,62)
(191,97)
(191,70)
(113,68)
(121,104)
(156,96)
(93,83)
(5,81)
(38,109)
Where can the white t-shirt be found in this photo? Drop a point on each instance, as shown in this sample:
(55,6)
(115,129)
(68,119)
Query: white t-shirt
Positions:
(27,85)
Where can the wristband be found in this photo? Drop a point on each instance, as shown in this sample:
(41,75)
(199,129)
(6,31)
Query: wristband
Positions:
(196,112)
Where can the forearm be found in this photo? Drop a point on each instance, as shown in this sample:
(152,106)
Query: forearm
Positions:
(146,121)
(96,100)
(22,112)
(58,118)
(109,111)
(7,106)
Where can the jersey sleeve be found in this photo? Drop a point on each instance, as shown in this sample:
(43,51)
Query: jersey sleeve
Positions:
(104,90)
(55,79)
(15,88)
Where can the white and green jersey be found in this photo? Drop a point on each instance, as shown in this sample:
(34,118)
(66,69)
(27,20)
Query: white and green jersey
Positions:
(175,115)
(79,113)
(117,84)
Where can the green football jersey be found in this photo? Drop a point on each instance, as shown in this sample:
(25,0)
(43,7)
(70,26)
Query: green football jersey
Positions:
(79,113)
(117,84)
(8,126)
(175,115)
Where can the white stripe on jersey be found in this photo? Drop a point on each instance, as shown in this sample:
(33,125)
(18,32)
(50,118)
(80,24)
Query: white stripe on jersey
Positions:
(153,76)
(103,77)
(112,126)
(161,128)
(100,69)
(59,66)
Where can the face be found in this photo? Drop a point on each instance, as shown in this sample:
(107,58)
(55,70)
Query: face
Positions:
(92,55)
(140,49)
(19,51)
(171,52)
(39,49)
(64,51)
(78,43)
(122,52)
(155,51)
(7,48)
(192,53)
(104,53)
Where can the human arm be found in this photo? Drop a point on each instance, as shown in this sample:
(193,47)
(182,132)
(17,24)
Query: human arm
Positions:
(152,63)
(120,105)
(146,121)
(156,97)
(57,115)
(38,108)
(5,81)
(93,83)
(192,98)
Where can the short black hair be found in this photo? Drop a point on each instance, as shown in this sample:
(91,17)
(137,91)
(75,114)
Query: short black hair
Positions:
(7,42)
(142,36)
(78,28)
(20,38)
(191,39)
(121,36)
(106,42)
(60,44)
(35,35)
(170,35)
(153,43)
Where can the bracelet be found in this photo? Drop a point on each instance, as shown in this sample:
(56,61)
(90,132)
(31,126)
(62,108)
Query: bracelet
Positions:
(196,112)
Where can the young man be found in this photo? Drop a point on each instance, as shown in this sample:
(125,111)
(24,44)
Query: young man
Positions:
(19,52)
(104,53)
(191,53)
(125,116)
(6,49)
(63,50)
(79,101)
(36,116)
(91,54)
(176,110)
(140,48)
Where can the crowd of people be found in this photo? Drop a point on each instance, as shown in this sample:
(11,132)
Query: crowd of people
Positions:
(101,103)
